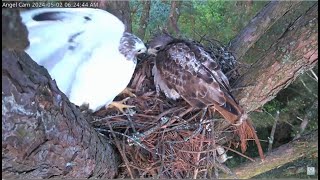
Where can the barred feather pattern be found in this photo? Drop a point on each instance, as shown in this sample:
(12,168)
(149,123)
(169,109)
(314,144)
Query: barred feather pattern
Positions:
(185,69)
(226,60)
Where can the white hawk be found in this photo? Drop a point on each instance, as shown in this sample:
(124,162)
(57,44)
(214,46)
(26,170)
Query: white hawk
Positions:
(86,51)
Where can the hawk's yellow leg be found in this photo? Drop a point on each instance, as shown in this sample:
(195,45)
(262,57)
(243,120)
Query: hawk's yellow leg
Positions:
(120,104)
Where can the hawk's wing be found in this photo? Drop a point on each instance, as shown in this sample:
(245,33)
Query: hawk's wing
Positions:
(186,69)
(58,32)
(80,49)
(69,36)
(195,76)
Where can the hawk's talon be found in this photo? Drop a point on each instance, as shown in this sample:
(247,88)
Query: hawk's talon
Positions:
(120,105)
(129,92)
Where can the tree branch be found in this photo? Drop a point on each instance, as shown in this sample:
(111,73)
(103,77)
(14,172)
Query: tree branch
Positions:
(11,26)
(259,25)
(174,16)
(308,145)
(121,9)
(295,52)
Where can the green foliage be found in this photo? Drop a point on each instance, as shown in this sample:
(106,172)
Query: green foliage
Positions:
(273,106)
(298,101)
(158,16)
(220,20)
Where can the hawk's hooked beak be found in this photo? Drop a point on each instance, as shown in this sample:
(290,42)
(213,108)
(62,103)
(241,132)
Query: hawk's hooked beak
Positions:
(143,55)
(142,51)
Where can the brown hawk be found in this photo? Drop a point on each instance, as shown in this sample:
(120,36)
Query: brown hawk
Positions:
(184,69)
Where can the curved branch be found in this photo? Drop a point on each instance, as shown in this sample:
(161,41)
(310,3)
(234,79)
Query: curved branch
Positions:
(259,25)
(308,145)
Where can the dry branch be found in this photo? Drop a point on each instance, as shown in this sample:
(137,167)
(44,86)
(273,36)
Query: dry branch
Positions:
(273,130)
(305,146)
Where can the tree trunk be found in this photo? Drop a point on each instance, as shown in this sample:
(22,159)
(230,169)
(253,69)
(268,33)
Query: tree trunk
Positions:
(144,19)
(43,134)
(11,26)
(259,25)
(305,146)
(121,9)
(295,52)
(174,17)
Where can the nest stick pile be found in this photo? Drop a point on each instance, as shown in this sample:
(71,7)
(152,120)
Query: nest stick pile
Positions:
(162,138)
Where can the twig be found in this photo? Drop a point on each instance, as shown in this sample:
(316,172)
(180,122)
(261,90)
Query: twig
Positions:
(161,164)
(303,126)
(213,137)
(271,138)
(131,139)
(225,169)
(239,153)
(196,170)
(314,74)
(159,125)
(107,118)
(310,91)
(124,157)
(275,118)
(131,124)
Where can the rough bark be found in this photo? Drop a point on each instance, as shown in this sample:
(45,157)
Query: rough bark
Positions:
(305,146)
(43,134)
(143,23)
(259,25)
(121,9)
(174,17)
(295,52)
(11,26)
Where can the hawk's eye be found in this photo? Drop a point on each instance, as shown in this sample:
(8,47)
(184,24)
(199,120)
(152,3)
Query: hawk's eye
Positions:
(157,48)
(139,50)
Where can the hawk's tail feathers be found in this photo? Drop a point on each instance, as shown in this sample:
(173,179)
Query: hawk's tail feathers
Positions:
(246,131)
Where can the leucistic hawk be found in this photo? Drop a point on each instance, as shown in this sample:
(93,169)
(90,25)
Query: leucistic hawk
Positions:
(86,51)
(183,69)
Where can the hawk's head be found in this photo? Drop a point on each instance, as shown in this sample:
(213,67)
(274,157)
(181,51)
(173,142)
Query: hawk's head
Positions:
(158,43)
(131,46)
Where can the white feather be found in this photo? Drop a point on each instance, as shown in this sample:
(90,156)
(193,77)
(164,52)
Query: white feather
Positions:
(95,71)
